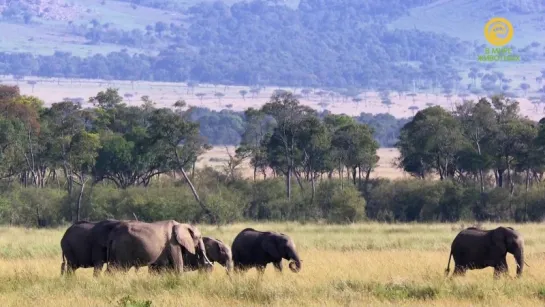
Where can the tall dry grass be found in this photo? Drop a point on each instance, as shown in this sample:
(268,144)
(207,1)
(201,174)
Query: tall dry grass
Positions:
(354,265)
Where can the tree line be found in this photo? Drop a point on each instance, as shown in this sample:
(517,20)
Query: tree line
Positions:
(64,163)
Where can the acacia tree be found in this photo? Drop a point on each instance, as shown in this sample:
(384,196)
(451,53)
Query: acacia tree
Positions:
(258,128)
(282,147)
(358,148)
(184,144)
(24,112)
(129,156)
(478,124)
(81,156)
(430,142)
(314,142)
(65,120)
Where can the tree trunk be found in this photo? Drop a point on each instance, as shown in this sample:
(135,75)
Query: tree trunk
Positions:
(298,178)
(313,184)
(288,183)
(354,170)
(500,178)
(255,173)
(197,198)
(366,184)
(193,170)
(527,179)
(341,176)
(480,169)
(359,175)
(80,197)
(194,191)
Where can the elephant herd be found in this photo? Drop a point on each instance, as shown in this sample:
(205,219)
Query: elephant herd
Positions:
(169,246)
(172,246)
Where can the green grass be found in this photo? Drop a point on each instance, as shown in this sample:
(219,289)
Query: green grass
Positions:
(353,265)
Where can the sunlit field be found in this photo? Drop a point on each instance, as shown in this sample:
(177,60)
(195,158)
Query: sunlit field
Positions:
(218,156)
(165,94)
(356,265)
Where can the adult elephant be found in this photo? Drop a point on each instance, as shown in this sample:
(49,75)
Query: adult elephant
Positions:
(253,248)
(474,248)
(84,245)
(216,251)
(158,245)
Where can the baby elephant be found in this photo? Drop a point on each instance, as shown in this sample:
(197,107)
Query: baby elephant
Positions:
(474,248)
(216,251)
(253,248)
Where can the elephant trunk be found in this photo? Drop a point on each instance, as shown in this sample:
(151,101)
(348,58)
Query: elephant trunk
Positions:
(519,257)
(229,265)
(295,264)
(205,261)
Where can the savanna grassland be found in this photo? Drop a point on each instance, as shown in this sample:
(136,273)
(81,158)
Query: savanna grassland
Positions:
(356,265)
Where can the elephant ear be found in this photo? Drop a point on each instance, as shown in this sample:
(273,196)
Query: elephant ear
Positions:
(183,235)
(270,245)
(499,240)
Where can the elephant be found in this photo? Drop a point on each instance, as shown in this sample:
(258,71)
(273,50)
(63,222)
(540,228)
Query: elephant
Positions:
(216,251)
(253,248)
(84,245)
(475,248)
(159,245)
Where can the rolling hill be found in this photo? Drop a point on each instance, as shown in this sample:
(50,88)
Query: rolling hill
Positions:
(465,19)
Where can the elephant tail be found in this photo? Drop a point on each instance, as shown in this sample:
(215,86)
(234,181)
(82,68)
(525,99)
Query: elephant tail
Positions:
(109,247)
(63,264)
(447,271)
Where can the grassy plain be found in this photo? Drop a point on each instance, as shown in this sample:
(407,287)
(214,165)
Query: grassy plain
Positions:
(354,265)
(217,158)
(165,94)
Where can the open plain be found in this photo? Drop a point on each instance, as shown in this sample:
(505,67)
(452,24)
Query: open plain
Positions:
(366,264)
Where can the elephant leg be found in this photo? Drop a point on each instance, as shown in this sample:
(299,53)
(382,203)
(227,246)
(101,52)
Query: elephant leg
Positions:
(278,266)
(176,259)
(71,269)
(459,270)
(97,268)
(260,271)
(501,268)
(239,268)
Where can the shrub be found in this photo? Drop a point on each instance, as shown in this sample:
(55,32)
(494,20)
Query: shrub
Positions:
(340,205)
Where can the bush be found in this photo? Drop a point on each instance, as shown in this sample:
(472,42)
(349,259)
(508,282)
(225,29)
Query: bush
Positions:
(32,206)
(238,200)
(340,205)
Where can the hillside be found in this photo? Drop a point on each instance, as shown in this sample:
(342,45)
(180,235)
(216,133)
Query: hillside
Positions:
(345,46)
(466,18)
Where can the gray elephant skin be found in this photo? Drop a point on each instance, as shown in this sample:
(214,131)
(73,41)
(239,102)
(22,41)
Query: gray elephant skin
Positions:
(475,248)
(158,245)
(252,248)
(216,251)
(84,245)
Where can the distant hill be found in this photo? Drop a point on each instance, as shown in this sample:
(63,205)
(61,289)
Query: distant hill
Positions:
(466,18)
(350,45)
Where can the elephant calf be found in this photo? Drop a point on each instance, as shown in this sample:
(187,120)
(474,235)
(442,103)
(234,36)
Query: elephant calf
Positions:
(474,248)
(253,248)
(216,251)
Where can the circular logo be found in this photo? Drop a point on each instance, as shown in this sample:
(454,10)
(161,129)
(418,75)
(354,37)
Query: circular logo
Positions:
(498,31)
